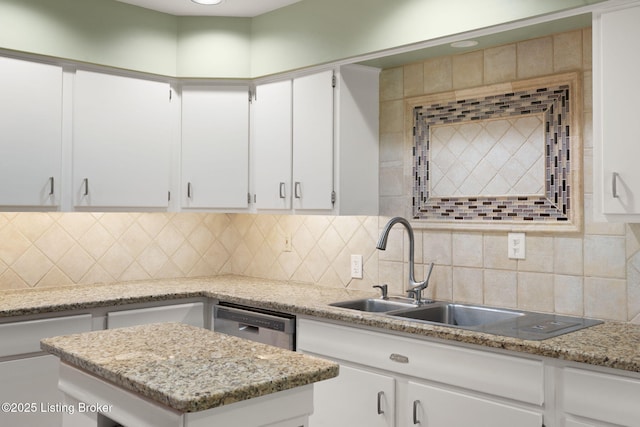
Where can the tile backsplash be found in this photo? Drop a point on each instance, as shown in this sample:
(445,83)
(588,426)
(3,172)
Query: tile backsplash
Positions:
(56,249)
(595,273)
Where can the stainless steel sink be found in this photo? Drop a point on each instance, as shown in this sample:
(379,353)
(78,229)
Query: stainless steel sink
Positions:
(457,314)
(497,321)
(376,305)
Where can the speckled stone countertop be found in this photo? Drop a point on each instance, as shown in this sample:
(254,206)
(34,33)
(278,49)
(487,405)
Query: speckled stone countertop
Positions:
(187,368)
(611,344)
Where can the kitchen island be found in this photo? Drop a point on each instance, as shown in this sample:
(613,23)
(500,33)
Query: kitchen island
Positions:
(171,374)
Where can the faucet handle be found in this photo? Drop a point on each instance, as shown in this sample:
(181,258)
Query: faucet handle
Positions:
(384,288)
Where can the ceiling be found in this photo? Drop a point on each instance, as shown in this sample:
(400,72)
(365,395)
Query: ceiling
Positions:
(238,8)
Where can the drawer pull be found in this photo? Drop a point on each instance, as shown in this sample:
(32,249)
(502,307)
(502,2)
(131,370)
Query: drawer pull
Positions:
(399,358)
(380,395)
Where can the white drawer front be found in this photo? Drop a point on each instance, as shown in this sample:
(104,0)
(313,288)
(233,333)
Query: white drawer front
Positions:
(190,313)
(24,337)
(602,397)
(506,376)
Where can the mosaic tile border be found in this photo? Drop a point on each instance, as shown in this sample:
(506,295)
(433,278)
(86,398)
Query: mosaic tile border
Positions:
(556,205)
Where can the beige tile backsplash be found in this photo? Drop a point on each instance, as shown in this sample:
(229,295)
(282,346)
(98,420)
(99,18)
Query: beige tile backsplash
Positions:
(595,273)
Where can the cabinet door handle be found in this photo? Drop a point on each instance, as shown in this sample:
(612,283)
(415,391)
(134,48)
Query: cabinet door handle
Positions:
(297,190)
(86,186)
(282,192)
(51,186)
(380,395)
(188,190)
(415,411)
(614,185)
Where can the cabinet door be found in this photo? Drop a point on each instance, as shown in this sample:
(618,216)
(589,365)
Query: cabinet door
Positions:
(435,407)
(31,133)
(215,147)
(356,397)
(599,396)
(272,145)
(121,137)
(31,383)
(617,131)
(313,141)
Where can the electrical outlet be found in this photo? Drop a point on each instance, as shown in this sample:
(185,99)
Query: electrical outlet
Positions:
(356,266)
(287,243)
(516,246)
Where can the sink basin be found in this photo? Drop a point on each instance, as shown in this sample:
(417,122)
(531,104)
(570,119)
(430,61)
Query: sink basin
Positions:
(376,305)
(457,314)
(496,321)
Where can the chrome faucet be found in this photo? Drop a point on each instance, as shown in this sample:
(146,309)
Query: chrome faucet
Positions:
(415,288)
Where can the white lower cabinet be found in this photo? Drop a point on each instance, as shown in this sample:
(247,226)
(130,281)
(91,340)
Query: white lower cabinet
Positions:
(30,389)
(357,397)
(423,383)
(595,399)
(429,405)
(188,313)
(28,379)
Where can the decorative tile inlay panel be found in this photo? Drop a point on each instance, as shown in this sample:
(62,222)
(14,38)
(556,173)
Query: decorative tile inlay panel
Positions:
(469,167)
(491,157)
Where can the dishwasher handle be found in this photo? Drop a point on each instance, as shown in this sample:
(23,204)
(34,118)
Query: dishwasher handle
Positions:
(248,328)
(255,319)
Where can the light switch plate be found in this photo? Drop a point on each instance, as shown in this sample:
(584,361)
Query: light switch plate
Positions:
(516,246)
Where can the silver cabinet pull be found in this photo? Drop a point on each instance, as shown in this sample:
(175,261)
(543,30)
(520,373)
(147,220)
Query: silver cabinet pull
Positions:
(614,185)
(415,411)
(297,190)
(282,192)
(188,190)
(86,186)
(51,186)
(399,358)
(380,395)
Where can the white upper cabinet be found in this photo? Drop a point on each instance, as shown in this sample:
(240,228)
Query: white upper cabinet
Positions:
(293,143)
(271,149)
(616,59)
(30,133)
(121,141)
(99,140)
(215,147)
(313,141)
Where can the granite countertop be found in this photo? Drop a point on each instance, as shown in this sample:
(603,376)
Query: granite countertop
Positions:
(187,368)
(611,344)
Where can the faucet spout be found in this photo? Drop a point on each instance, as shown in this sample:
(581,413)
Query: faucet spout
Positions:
(415,287)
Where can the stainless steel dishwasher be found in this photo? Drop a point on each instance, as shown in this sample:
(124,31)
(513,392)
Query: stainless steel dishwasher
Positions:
(264,326)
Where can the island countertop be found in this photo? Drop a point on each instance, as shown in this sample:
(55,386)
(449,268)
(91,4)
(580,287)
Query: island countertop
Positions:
(611,344)
(187,368)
